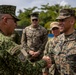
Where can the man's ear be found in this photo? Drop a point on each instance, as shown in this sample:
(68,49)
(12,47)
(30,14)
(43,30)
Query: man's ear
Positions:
(72,21)
(5,19)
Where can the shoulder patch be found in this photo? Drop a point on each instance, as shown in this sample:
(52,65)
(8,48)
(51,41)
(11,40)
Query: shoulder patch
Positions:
(13,50)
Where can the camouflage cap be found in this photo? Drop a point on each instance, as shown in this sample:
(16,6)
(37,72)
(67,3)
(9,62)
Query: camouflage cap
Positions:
(65,13)
(34,15)
(54,24)
(8,9)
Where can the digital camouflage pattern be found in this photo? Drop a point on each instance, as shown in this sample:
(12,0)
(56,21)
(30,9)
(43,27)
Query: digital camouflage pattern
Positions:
(34,39)
(50,45)
(34,68)
(65,13)
(13,60)
(8,9)
(16,37)
(71,59)
(65,47)
(49,50)
(34,15)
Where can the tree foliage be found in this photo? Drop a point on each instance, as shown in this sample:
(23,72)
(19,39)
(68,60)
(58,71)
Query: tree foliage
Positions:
(47,14)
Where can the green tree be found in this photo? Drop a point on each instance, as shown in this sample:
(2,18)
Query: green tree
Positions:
(47,14)
(25,16)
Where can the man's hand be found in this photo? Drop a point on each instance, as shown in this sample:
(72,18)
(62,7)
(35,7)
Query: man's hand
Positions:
(31,52)
(36,54)
(48,61)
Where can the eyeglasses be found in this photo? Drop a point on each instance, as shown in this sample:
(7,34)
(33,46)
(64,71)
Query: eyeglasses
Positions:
(12,19)
(62,20)
(34,19)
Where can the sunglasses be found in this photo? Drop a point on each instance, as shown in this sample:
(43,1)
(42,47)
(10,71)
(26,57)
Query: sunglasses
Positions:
(55,28)
(62,20)
(34,19)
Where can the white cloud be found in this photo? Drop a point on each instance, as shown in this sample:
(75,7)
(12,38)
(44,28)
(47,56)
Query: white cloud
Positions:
(21,4)
(63,3)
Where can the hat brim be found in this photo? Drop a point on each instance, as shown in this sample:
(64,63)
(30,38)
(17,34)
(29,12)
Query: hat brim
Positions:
(55,26)
(34,17)
(16,18)
(62,17)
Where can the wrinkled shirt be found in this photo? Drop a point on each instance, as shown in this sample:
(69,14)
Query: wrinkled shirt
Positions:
(34,38)
(13,60)
(66,46)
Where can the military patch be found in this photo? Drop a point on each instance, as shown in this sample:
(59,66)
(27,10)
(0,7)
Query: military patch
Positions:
(12,51)
(22,57)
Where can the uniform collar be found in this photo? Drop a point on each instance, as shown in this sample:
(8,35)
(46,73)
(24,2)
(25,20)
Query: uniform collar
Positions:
(34,28)
(69,37)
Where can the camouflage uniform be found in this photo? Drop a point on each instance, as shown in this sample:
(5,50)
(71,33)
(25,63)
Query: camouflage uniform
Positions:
(34,39)
(65,47)
(49,51)
(13,60)
(50,46)
(15,37)
(10,55)
(34,68)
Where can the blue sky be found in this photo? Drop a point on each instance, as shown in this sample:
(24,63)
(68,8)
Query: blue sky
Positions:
(21,4)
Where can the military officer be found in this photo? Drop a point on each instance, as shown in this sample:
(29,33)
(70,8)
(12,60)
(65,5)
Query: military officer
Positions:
(67,41)
(34,38)
(13,58)
(55,29)
(65,50)
(11,55)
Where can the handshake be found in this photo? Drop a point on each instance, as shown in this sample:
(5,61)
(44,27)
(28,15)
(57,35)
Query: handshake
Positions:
(48,61)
